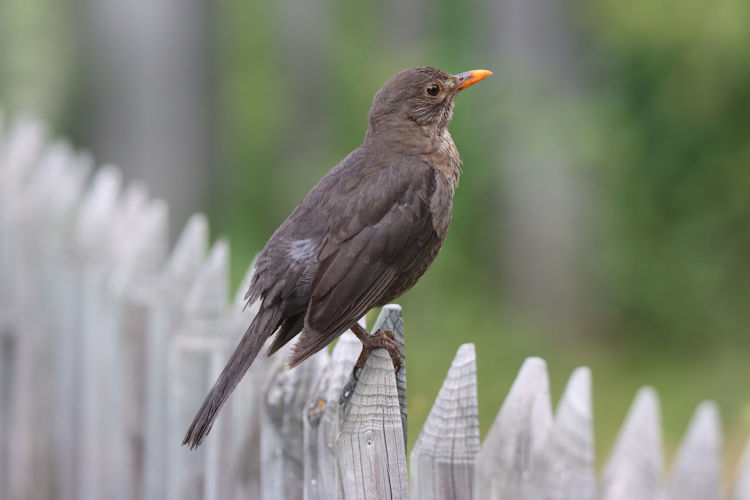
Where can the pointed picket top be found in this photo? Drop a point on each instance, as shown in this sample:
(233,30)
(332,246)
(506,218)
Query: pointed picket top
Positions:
(442,461)
(208,294)
(22,146)
(93,226)
(124,236)
(390,319)
(141,264)
(59,183)
(741,489)
(65,187)
(35,208)
(155,236)
(370,449)
(40,192)
(566,465)
(634,469)
(128,216)
(696,473)
(186,258)
(506,459)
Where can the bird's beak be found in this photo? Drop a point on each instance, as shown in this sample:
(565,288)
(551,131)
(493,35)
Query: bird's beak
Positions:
(468,78)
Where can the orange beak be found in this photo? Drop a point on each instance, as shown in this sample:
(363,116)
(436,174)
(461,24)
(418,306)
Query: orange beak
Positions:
(469,78)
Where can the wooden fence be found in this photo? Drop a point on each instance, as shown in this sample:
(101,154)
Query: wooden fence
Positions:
(109,342)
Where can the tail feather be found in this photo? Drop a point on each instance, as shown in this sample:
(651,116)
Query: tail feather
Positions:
(257,333)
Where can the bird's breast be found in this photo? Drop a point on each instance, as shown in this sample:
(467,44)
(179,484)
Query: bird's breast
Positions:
(441,205)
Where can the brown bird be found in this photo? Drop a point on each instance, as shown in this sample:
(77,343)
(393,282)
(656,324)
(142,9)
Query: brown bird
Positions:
(361,237)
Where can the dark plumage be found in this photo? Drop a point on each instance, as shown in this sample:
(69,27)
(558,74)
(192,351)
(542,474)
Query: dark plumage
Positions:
(362,236)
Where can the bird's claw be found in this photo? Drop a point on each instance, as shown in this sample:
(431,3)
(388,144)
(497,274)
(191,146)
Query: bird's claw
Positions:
(380,339)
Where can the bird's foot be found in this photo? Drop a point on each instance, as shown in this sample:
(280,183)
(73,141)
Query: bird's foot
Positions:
(380,339)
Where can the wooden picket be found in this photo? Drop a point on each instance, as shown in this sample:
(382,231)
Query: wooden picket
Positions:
(109,342)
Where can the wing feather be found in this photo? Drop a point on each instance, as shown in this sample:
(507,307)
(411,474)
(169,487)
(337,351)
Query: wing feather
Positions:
(363,258)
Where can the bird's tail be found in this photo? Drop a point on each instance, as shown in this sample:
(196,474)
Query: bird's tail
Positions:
(264,324)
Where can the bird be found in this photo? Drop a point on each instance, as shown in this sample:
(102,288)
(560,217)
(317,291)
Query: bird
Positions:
(360,238)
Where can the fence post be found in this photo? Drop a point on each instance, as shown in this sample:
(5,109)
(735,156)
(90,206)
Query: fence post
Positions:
(17,436)
(634,470)
(282,443)
(36,209)
(167,312)
(196,357)
(117,348)
(321,419)
(135,283)
(370,449)
(442,461)
(390,319)
(62,311)
(29,217)
(505,463)
(93,254)
(565,467)
(241,461)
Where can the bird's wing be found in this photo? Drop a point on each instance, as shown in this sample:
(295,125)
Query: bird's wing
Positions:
(383,227)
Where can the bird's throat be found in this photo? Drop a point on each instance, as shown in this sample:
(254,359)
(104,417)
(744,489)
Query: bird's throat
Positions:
(444,158)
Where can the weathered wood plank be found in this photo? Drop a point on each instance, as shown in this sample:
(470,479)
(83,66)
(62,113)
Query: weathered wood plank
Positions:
(31,434)
(506,459)
(135,284)
(186,257)
(282,441)
(64,192)
(92,238)
(322,419)
(565,467)
(117,348)
(371,455)
(634,469)
(442,462)
(27,227)
(696,473)
(241,458)
(167,311)
(196,357)
(390,319)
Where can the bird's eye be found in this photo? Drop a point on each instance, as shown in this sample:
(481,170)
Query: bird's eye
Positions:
(432,89)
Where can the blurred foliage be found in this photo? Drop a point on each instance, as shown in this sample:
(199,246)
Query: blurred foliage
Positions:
(36,57)
(676,82)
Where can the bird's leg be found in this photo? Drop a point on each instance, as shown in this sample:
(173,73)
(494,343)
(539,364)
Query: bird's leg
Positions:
(376,340)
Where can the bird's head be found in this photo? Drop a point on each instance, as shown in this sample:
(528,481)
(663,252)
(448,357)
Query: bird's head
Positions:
(420,96)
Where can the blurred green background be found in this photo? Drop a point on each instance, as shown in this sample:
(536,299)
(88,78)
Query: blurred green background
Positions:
(602,215)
